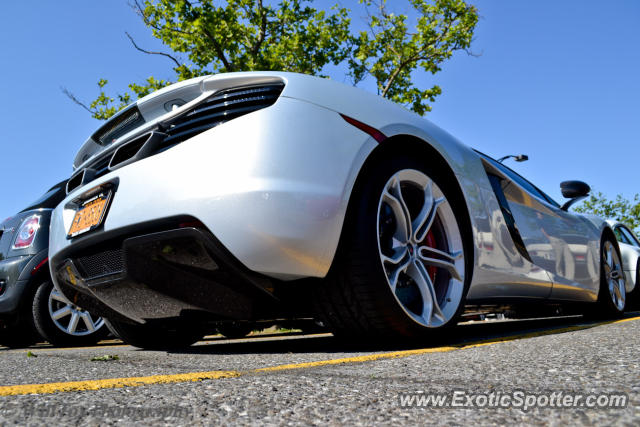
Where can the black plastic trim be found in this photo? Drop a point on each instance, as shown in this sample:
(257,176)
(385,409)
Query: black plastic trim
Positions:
(496,184)
(222,287)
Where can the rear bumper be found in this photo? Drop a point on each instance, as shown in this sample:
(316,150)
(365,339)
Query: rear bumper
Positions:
(161,275)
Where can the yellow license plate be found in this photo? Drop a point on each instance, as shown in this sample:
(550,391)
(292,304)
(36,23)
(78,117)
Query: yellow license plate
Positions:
(89,215)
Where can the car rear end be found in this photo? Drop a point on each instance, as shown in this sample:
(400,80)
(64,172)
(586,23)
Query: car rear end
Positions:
(206,198)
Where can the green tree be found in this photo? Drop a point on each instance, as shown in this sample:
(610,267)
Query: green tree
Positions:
(391,51)
(620,209)
(291,35)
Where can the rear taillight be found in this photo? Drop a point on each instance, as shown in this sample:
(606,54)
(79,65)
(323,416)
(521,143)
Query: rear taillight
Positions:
(27,232)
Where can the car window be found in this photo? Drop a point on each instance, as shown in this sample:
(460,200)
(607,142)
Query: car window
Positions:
(520,180)
(619,236)
(633,240)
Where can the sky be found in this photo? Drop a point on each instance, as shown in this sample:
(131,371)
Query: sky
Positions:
(556,80)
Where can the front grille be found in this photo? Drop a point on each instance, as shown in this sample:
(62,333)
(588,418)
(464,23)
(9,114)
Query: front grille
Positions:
(219,108)
(105,263)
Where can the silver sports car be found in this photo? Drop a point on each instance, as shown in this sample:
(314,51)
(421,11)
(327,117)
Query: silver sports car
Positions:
(246,197)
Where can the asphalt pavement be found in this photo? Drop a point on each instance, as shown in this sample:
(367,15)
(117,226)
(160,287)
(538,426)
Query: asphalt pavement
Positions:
(486,372)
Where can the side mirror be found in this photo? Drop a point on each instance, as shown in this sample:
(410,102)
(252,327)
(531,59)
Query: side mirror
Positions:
(574,190)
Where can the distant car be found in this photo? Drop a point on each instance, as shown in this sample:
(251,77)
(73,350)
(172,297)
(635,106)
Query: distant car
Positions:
(246,197)
(630,252)
(29,304)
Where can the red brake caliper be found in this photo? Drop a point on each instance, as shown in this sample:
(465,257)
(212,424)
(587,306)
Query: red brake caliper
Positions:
(430,241)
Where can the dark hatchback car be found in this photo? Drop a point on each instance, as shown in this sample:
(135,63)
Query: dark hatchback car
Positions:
(30,307)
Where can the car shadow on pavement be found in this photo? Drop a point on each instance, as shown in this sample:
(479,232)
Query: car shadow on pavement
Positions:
(459,336)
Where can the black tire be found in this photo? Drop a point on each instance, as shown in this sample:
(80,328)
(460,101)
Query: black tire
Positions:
(633,297)
(153,337)
(19,331)
(52,333)
(606,306)
(355,301)
(235,330)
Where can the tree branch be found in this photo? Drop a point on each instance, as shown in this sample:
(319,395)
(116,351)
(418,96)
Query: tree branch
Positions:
(420,54)
(138,9)
(151,52)
(393,77)
(216,46)
(263,29)
(76,100)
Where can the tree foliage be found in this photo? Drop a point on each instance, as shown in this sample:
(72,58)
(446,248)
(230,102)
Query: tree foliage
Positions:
(211,36)
(620,209)
(391,50)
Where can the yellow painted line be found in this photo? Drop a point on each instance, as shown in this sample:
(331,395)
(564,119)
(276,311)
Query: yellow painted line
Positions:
(113,383)
(213,375)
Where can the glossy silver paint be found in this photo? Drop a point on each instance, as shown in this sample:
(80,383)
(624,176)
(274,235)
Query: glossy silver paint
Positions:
(274,185)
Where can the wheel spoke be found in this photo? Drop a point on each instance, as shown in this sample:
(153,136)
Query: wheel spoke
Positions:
(609,259)
(88,321)
(427,215)
(420,276)
(622,290)
(446,261)
(73,323)
(397,256)
(393,197)
(395,265)
(55,295)
(58,314)
(613,287)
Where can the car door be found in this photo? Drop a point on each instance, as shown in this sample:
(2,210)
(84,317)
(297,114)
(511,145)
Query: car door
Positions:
(565,245)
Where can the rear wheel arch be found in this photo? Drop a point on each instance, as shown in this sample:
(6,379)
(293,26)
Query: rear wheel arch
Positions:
(419,148)
(607,233)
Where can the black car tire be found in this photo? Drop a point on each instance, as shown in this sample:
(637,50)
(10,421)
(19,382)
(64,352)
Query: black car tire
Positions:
(153,337)
(356,300)
(49,331)
(605,307)
(633,297)
(20,331)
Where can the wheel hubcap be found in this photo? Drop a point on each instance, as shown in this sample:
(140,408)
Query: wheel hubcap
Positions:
(420,248)
(70,319)
(614,275)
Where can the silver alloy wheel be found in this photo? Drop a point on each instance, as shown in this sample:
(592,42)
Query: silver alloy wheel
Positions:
(70,319)
(614,275)
(420,248)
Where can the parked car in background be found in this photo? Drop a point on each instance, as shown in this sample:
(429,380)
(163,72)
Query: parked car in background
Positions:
(30,307)
(630,251)
(246,197)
